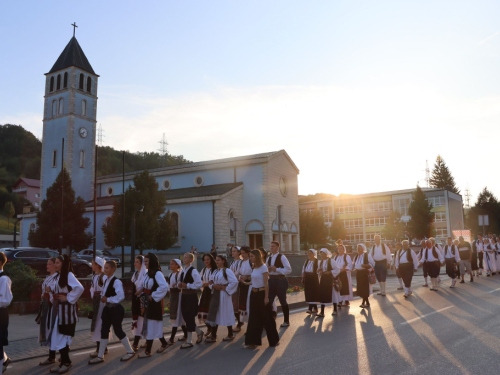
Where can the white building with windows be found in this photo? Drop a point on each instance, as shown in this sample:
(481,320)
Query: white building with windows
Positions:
(366,215)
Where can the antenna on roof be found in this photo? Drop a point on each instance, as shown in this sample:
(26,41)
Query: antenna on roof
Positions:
(468,197)
(163,151)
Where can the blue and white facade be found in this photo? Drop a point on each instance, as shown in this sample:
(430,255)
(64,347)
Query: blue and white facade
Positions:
(259,192)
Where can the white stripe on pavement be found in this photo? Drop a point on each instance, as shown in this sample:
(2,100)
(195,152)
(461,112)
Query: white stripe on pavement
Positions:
(491,291)
(426,315)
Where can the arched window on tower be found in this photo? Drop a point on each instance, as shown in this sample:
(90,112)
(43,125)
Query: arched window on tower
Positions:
(80,82)
(58,86)
(174,216)
(82,159)
(89,84)
(84,107)
(65,84)
(61,106)
(51,83)
(54,159)
(54,107)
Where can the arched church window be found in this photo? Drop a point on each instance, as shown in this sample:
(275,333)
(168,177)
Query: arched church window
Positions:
(61,106)
(54,107)
(110,191)
(80,82)
(54,158)
(82,158)
(58,87)
(231,218)
(65,84)
(198,181)
(89,84)
(84,108)
(174,216)
(51,83)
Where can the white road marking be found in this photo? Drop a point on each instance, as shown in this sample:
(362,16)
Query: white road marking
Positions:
(491,291)
(426,315)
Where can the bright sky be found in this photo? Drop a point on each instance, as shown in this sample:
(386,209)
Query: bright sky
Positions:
(359,93)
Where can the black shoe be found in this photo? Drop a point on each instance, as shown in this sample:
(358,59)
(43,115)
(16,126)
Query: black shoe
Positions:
(471,279)
(462,282)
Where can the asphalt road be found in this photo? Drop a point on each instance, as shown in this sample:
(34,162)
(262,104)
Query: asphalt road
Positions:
(453,331)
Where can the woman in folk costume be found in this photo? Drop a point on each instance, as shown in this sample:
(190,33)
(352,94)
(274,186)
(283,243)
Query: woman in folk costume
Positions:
(175,302)
(67,291)
(154,290)
(310,281)
(244,277)
(223,284)
(44,316)
(264,254)
(345,264)
(235,297)
(496,245)
(328,270)
(98,281)
(399,247)
(362,262)
(137,286)
(490,264)
(260,311)
(206,295)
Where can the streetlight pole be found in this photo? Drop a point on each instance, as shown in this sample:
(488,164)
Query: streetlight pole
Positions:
(123,215)
(61,222)
(132,239)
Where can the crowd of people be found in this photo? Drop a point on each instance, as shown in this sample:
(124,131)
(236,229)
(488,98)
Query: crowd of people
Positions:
(232,295)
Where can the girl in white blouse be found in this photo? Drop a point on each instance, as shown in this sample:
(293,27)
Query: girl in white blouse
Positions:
(137,285)
(44,318)
(98,281)
(235,267)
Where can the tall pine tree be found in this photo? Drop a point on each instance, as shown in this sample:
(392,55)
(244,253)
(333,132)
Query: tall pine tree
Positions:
(395,229)
(422,218)
(337,230)
(441,176)
(75,224)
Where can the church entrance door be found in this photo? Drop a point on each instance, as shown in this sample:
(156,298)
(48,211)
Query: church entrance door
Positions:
(255,241)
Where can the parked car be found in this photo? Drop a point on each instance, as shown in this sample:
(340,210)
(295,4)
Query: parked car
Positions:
(36,258)
(88,255)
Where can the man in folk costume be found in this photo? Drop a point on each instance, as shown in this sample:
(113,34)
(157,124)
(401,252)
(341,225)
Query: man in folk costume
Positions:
(406,264)
(465,251)
(382,256)
(438,246)
(433,258)
(112,314)
(278,267)
(451,259)
(424,267)
(477,255)
(5,300)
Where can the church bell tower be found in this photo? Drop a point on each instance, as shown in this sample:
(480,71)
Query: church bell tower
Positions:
(70,113)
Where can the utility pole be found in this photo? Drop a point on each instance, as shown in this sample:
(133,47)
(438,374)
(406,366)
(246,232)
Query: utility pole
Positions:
(163,151)
(468,197)
(427,174)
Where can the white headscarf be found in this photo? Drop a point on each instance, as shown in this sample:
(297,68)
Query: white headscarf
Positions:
(140,274)
(362,245)
(326,251)
(178,261)
(314,252)
(100,261)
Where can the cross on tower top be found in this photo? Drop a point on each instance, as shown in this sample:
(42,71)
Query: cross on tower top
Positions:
(74,28)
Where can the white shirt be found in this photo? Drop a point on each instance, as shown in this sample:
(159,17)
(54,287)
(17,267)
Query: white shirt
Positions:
(235,267)
(308,266)
(49,282)
(479,246)
(258,276)
(5,291)
(197,283)
(162,289)
(120,294)
(427,256)
(448,254)
(359,261)
(206,275)
(95,287)
(287,269)
(173,279)
(323,266)
(76,291)
(402,257)
(231,283)
(340,261)
(245,268)
(377,253)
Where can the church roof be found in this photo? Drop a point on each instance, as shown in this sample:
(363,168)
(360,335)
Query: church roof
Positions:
(206,164)
(72,56)
(186,193)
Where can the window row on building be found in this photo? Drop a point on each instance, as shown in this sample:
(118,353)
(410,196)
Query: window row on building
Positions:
(58,107)
(378,206)
(59,83)
(81,161)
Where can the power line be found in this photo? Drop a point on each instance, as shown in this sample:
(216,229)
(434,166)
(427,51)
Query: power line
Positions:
(163,151)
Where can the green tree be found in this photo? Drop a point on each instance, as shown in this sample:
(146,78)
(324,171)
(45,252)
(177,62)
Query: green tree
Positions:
(312,226)
(153,227)
(441,176)
(395,229)
(8,211)
(422,218)
(337,230)
(75,224)
(486,204)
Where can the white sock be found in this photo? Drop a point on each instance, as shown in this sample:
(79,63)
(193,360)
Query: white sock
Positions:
(400,282)
(425,278)
(126,344)
(382,286)
(407,290)
(190,338)
(102,348)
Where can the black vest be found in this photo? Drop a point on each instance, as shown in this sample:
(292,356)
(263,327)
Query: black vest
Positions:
(315,265)
(277,263)
(187,277)
(452,249)
(111,292)
(409,258)
(434,253)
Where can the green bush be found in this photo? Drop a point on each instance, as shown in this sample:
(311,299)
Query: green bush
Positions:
(24,280)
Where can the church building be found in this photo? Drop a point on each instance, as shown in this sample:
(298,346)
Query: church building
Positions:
(248,200)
